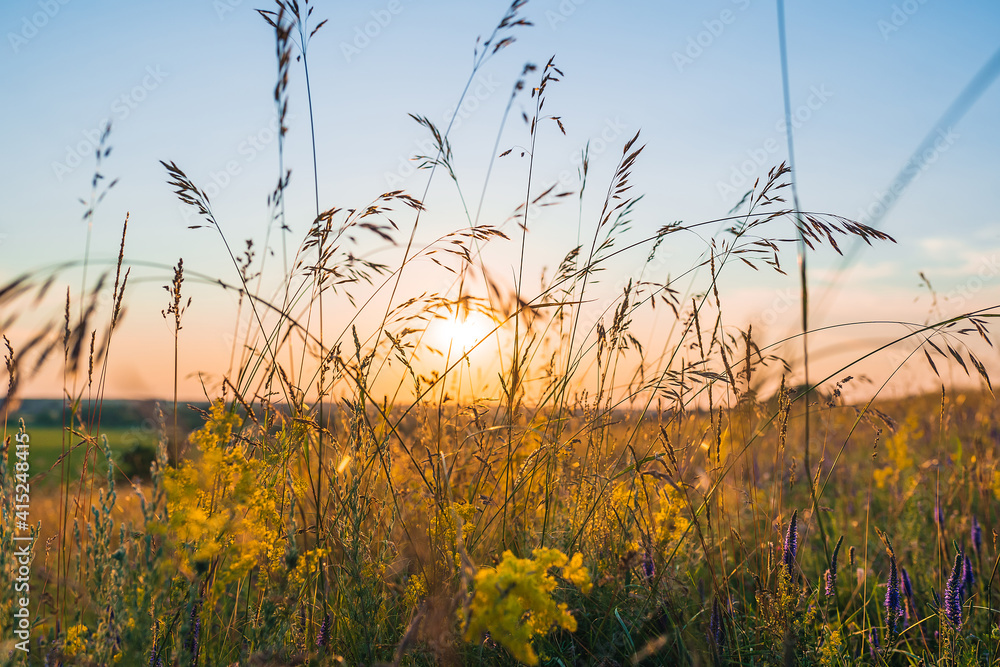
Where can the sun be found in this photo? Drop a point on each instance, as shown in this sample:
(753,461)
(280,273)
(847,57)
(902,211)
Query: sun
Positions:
(464,333)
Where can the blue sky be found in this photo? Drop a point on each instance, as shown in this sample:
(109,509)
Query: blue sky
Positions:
(191,81)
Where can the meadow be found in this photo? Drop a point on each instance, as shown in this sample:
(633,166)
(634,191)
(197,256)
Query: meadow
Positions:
(597,503)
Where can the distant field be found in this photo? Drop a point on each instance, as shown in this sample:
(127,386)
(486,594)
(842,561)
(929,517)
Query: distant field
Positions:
(47,444)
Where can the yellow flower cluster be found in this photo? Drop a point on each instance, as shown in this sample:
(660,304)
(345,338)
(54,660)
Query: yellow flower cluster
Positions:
(897,448)
(602,527)
(830,651)
(660,515)
(76,640)
(444,532)
(669,520)
(513,602)
(218,505)
(307,567)
(416,590)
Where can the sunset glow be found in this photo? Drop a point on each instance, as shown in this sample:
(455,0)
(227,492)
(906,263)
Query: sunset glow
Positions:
(463,333)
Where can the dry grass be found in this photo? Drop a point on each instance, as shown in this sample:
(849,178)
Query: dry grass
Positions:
(312,520)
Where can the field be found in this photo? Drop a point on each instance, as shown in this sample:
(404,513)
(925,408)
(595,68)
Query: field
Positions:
(682,519)
(47,447)
(499,471)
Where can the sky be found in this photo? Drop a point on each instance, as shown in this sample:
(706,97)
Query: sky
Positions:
(191,81)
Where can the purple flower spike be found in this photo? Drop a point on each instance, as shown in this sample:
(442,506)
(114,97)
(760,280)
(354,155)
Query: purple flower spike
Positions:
(831,574)
(893,606)
(716,630)
(324,630)
(977,537)
(873,645)
(648,567)
(939,516)
(791,544)
(904,578)
(953,593)
(968,578)
(194,636)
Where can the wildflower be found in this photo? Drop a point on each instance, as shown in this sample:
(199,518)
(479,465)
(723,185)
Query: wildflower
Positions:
(850,554)
(669,520)
(830,651)
(416,590)
(831,574)
(513,602)
(648,567)
(953,593)
(939,516)
(218,509)
(76,640)
(321,636)
(873,644)
(977,537)
(893,608)
(716,631)
(575,573)
(907,584)
(904,578)
(968,578)
(791,544)
(192,643)
(195,636)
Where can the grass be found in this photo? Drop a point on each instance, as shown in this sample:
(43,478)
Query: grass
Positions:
(600,503)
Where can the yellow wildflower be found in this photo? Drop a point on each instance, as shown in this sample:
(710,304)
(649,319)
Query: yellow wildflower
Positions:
(830,651)
(76,640)
(218,506)
(416,589)
(513,602)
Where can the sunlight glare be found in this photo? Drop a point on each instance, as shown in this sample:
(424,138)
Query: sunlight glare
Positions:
(463,333)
